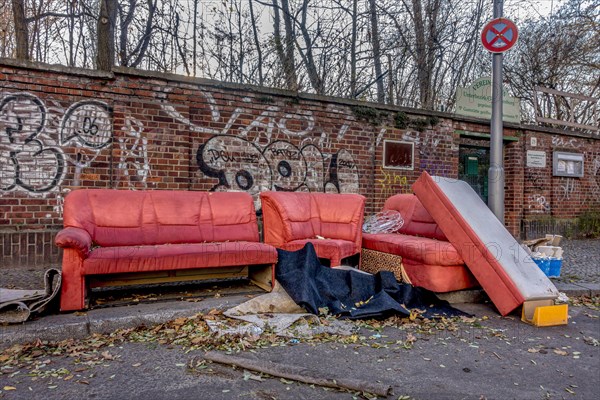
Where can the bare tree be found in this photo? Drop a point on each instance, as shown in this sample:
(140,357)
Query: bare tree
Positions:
(106,35)
(376,51)
(284,46)
(254,22)
(21,31)
(567,60)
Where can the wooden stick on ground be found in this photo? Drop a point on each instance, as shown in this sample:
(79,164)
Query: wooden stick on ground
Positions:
(299,374)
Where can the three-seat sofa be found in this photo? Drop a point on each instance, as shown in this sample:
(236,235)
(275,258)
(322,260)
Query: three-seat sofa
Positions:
(165,235)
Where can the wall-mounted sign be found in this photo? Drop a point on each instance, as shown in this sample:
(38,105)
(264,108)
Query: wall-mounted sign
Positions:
(398,155)
(567,164)
(536,159)
(476,101)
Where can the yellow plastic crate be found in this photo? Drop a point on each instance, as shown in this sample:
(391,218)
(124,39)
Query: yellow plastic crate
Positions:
(545,313)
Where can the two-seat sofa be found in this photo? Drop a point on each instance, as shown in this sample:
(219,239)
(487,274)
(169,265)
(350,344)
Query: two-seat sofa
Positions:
(331,222)
(428,258)
(160,233)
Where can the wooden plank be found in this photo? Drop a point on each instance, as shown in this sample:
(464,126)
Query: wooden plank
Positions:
(566,123)
(262,276)
(565,94)
(143,278)
(484,135)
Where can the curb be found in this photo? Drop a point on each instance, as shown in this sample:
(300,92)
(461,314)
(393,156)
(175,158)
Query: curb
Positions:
(578,288)
(107,320)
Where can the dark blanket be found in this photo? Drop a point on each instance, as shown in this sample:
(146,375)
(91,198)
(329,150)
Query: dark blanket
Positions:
(352,294)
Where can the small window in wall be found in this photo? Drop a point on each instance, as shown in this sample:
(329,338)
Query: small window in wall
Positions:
(398,155)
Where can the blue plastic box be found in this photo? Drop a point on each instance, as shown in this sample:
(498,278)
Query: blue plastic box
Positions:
(544,264)
(555,265)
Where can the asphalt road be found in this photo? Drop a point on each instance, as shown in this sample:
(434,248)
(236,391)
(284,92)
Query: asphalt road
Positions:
(491,358)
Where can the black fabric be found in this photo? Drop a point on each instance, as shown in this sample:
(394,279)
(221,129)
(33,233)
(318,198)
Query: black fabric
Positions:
(314,286)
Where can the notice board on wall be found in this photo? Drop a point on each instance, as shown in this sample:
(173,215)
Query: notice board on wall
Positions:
(398,155)
(567,164)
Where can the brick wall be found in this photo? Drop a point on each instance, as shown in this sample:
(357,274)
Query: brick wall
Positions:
(64,129)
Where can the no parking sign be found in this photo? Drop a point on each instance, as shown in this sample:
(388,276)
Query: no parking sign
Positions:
(499,35)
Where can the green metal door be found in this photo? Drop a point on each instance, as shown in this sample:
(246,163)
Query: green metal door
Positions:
(473,166)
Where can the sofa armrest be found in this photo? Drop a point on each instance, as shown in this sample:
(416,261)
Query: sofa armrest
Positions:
(75,238)
(276,229)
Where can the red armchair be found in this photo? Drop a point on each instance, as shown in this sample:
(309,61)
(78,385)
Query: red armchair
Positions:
(331,222)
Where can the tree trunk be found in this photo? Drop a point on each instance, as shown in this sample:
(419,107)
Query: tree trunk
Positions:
(423,70)
(195,37)
(316,81)
(261,79)
(21,31)
(106,35)
(353,48)
(286,55)
(376,51)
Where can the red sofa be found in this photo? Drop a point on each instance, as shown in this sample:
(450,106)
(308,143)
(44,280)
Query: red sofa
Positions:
(331,222)
(116,232)
(428,258)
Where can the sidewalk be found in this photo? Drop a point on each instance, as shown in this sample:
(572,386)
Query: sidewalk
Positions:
(580,275)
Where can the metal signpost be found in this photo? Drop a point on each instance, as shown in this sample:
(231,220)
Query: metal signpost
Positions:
(497,36)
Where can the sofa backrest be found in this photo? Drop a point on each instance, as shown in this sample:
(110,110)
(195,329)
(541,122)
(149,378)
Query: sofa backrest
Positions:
(124,217)
(299,215)
(417,221)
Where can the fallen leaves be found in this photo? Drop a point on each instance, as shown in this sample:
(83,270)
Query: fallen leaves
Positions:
(591,302)
(591,341)
(193,334)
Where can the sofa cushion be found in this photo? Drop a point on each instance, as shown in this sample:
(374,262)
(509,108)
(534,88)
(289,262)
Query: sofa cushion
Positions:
(419,249)
(417,221)
(338,216)
(119,259)
(439,278)
(305,215)
(332,249)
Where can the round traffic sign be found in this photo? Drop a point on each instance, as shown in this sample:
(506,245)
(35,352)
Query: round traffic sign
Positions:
(499,35)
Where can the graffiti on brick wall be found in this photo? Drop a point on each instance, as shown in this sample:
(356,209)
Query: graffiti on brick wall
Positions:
(133,161)
(427,142)
(567,189)
(536,180)
(255,153)
(33,137)
(559,141)
(88,124)
(29,158)
(240,164)
(538,204)
(596,175)
(260,129)
(87,128)
(434,167)
(391,183)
